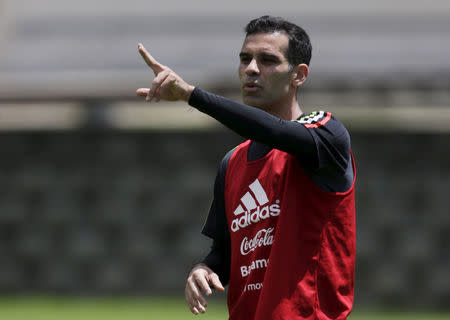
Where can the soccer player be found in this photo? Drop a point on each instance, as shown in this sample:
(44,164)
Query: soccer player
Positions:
(282,221)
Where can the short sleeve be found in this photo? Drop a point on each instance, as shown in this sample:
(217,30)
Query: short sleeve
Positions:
(216,226)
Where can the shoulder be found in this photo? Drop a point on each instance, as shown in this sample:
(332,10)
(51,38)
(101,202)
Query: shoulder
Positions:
(331,139)
(325,125)
(321,120)
(315,119)
(226,159)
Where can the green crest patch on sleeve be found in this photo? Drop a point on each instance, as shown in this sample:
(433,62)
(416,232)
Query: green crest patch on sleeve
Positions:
(315,119)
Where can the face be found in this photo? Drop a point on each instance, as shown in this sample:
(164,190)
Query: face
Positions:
(264,71)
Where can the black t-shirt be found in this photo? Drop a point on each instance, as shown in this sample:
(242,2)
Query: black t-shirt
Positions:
(318,140)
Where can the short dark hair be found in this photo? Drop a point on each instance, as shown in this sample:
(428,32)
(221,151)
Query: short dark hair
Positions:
(299,48)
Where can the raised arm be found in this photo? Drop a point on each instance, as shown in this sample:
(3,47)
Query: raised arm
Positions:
(247,121)
(316,149)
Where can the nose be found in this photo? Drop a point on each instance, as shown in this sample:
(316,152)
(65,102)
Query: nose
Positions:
(252,68)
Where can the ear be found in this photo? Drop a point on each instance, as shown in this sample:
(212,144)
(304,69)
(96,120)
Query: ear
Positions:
(299,75)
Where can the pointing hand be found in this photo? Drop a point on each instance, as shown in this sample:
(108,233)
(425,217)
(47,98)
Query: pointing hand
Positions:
(166,85)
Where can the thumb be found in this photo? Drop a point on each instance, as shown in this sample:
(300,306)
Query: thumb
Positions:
(214,280)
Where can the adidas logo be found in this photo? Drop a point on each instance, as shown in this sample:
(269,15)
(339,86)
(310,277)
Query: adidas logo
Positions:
(255,206)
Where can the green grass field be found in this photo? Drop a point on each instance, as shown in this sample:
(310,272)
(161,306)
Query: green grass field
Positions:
(26,308)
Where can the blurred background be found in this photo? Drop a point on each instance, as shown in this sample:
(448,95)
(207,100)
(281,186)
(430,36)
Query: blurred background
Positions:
(104,196)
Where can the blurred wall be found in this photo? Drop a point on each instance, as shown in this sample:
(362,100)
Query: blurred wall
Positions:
(88,48)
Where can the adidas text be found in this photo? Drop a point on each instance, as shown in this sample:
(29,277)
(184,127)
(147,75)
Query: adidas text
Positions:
(260,213)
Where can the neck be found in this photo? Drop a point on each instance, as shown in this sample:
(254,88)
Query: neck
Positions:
(287,110)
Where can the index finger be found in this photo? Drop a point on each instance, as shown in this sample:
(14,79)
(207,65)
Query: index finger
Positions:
(203,284)
(151,62)
(214,280)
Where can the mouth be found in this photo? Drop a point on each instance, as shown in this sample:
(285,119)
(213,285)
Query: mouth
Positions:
(251,86)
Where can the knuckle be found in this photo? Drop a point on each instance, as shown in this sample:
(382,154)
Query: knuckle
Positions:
(196,276)
(215,278)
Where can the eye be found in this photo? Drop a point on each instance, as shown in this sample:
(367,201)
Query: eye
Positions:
(269,60)
(245,59)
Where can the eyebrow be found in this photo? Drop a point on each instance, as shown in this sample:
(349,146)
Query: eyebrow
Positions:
(263,54)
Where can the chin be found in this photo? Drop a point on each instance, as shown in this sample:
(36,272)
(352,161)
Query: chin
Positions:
(254,102)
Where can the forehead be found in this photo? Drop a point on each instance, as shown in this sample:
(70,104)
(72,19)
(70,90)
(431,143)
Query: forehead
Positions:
(276,43)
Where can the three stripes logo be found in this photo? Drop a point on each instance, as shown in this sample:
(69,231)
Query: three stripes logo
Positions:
(254,207)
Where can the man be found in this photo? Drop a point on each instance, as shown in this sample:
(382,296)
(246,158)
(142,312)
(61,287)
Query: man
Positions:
(283,217)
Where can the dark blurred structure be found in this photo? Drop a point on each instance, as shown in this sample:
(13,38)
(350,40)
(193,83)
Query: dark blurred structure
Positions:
(121,212)
(98,197)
